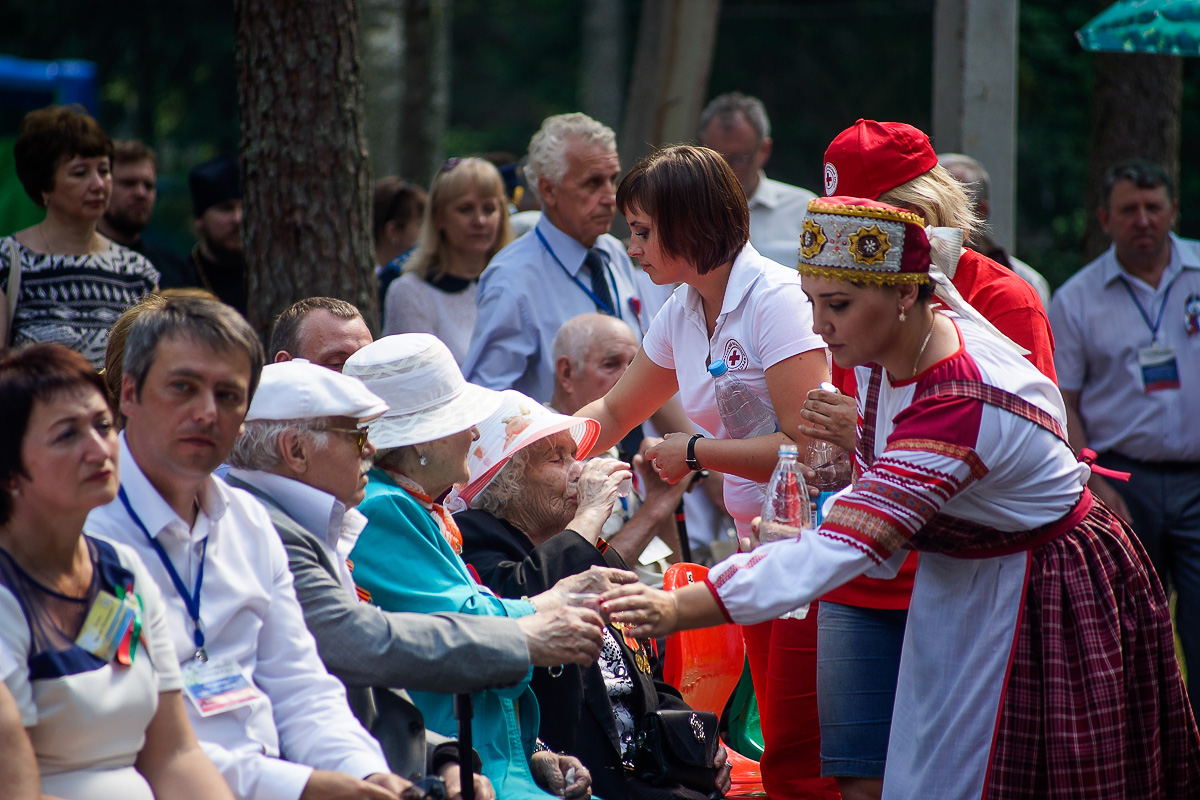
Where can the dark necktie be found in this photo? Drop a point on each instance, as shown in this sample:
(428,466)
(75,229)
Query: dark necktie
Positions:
(593,262)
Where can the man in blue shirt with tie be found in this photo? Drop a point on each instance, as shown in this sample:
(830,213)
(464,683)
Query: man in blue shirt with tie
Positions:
(567,265)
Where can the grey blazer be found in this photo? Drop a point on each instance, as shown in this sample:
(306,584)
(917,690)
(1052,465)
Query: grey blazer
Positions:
(378,654)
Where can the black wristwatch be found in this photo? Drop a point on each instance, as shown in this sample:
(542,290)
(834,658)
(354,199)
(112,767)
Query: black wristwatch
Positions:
(692,462)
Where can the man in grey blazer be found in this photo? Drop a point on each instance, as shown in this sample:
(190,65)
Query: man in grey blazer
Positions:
(303,455)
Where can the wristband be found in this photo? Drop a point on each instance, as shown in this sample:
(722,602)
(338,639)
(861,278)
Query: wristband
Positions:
(692,462)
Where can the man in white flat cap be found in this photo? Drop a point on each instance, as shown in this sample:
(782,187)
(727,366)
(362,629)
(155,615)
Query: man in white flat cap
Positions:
(304,455)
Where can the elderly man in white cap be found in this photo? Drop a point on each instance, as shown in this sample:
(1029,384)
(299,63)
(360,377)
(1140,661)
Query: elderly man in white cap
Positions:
(305,456)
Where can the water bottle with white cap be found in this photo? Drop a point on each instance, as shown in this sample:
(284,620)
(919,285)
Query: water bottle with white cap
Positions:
(743,414)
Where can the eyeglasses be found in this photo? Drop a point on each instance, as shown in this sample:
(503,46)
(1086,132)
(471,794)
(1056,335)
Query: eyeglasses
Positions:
(740,159)
(360,434)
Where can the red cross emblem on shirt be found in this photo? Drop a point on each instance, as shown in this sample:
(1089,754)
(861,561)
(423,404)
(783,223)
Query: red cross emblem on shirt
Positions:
(735,355)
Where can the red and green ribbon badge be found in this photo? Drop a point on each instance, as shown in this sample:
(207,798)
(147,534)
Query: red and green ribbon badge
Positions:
(128,647)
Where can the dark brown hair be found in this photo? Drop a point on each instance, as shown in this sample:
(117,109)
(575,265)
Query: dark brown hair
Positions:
(695,202)
(133,151)
(394,199)
(32,374)
(285,336)
(48,137)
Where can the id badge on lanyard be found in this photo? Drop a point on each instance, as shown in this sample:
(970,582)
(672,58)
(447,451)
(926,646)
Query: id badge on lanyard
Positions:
(1159,369)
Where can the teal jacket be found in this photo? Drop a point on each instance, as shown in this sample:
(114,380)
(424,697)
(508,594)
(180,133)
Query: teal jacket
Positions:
(406,564)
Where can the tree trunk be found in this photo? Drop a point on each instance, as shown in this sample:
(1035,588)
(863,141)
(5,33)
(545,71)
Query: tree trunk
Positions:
(1135,114)
(670,75)
(382,37)
(306,229)
(426,87)
(602,61)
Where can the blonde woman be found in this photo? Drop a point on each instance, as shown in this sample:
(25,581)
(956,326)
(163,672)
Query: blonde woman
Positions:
(465,224)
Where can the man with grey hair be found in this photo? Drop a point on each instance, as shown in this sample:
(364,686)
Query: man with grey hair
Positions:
(737,127)
(263,706)
(305,457)
(977,182)
(567,265)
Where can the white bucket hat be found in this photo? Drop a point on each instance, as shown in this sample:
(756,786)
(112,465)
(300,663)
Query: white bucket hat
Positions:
(518,422)
(299,389)
(428,398)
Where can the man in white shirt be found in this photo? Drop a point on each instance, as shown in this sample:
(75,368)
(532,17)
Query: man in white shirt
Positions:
(255,684)
(737,127)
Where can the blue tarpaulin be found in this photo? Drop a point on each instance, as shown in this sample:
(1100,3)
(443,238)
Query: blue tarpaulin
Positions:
(1166,27)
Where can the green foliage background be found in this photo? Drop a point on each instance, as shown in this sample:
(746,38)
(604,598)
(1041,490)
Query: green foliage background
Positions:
(168,77)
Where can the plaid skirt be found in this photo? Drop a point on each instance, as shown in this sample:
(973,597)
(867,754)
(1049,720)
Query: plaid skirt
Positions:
(1094,705)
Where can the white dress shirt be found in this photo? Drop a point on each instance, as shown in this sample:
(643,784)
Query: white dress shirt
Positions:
(302,710)
(777,212)
(314,510)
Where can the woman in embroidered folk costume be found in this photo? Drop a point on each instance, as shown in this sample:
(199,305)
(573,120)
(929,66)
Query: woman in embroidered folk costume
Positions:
(408,557)
(93,669)
(1038,660)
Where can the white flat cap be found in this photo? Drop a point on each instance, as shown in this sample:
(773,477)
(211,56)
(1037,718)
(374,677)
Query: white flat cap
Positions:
(299,389)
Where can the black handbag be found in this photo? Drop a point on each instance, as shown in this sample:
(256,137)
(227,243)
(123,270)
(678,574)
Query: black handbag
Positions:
(677,747)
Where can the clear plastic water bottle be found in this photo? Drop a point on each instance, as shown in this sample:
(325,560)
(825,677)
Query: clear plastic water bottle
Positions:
(833,472)
(743,414)
(787,508)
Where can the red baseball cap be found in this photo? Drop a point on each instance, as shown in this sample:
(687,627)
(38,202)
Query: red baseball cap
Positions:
(870,158)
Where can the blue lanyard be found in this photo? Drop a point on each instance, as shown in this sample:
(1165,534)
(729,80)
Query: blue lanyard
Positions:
(190,601)
(600,304)
(1141,310)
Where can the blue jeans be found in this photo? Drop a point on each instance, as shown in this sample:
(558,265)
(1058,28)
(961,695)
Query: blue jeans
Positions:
(858,661)
(1164,501)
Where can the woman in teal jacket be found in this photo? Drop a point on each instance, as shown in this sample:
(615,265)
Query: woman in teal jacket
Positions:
(407,558)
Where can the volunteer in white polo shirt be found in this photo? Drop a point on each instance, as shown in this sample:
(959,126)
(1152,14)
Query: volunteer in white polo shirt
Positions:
(690,224)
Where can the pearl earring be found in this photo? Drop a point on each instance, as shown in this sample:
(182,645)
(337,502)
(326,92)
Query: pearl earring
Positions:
(902,316)
(423,461)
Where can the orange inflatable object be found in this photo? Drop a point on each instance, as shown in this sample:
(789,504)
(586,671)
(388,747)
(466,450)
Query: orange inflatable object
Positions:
(705,666)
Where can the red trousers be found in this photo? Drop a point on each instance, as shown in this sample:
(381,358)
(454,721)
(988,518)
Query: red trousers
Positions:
(783,664)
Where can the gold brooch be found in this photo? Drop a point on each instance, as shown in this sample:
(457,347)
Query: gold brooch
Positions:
(870,245)
(812,239)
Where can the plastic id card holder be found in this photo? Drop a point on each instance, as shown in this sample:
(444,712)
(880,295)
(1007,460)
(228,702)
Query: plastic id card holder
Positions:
(1159,370)
(107,621)
(215,687)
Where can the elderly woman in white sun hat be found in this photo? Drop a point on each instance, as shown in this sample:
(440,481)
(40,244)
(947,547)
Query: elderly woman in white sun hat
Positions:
(407,558)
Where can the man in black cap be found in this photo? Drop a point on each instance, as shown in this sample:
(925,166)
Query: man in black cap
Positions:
(220,265)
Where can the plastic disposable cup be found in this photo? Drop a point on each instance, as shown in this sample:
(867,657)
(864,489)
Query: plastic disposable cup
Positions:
(582,599)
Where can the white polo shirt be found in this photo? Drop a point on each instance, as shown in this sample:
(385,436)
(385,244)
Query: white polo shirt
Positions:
(765,318)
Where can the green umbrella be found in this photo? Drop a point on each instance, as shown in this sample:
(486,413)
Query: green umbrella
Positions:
(1168,27)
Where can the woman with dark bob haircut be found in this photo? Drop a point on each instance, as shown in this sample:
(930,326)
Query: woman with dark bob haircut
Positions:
(690,225)
(71,283)
(93,669)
